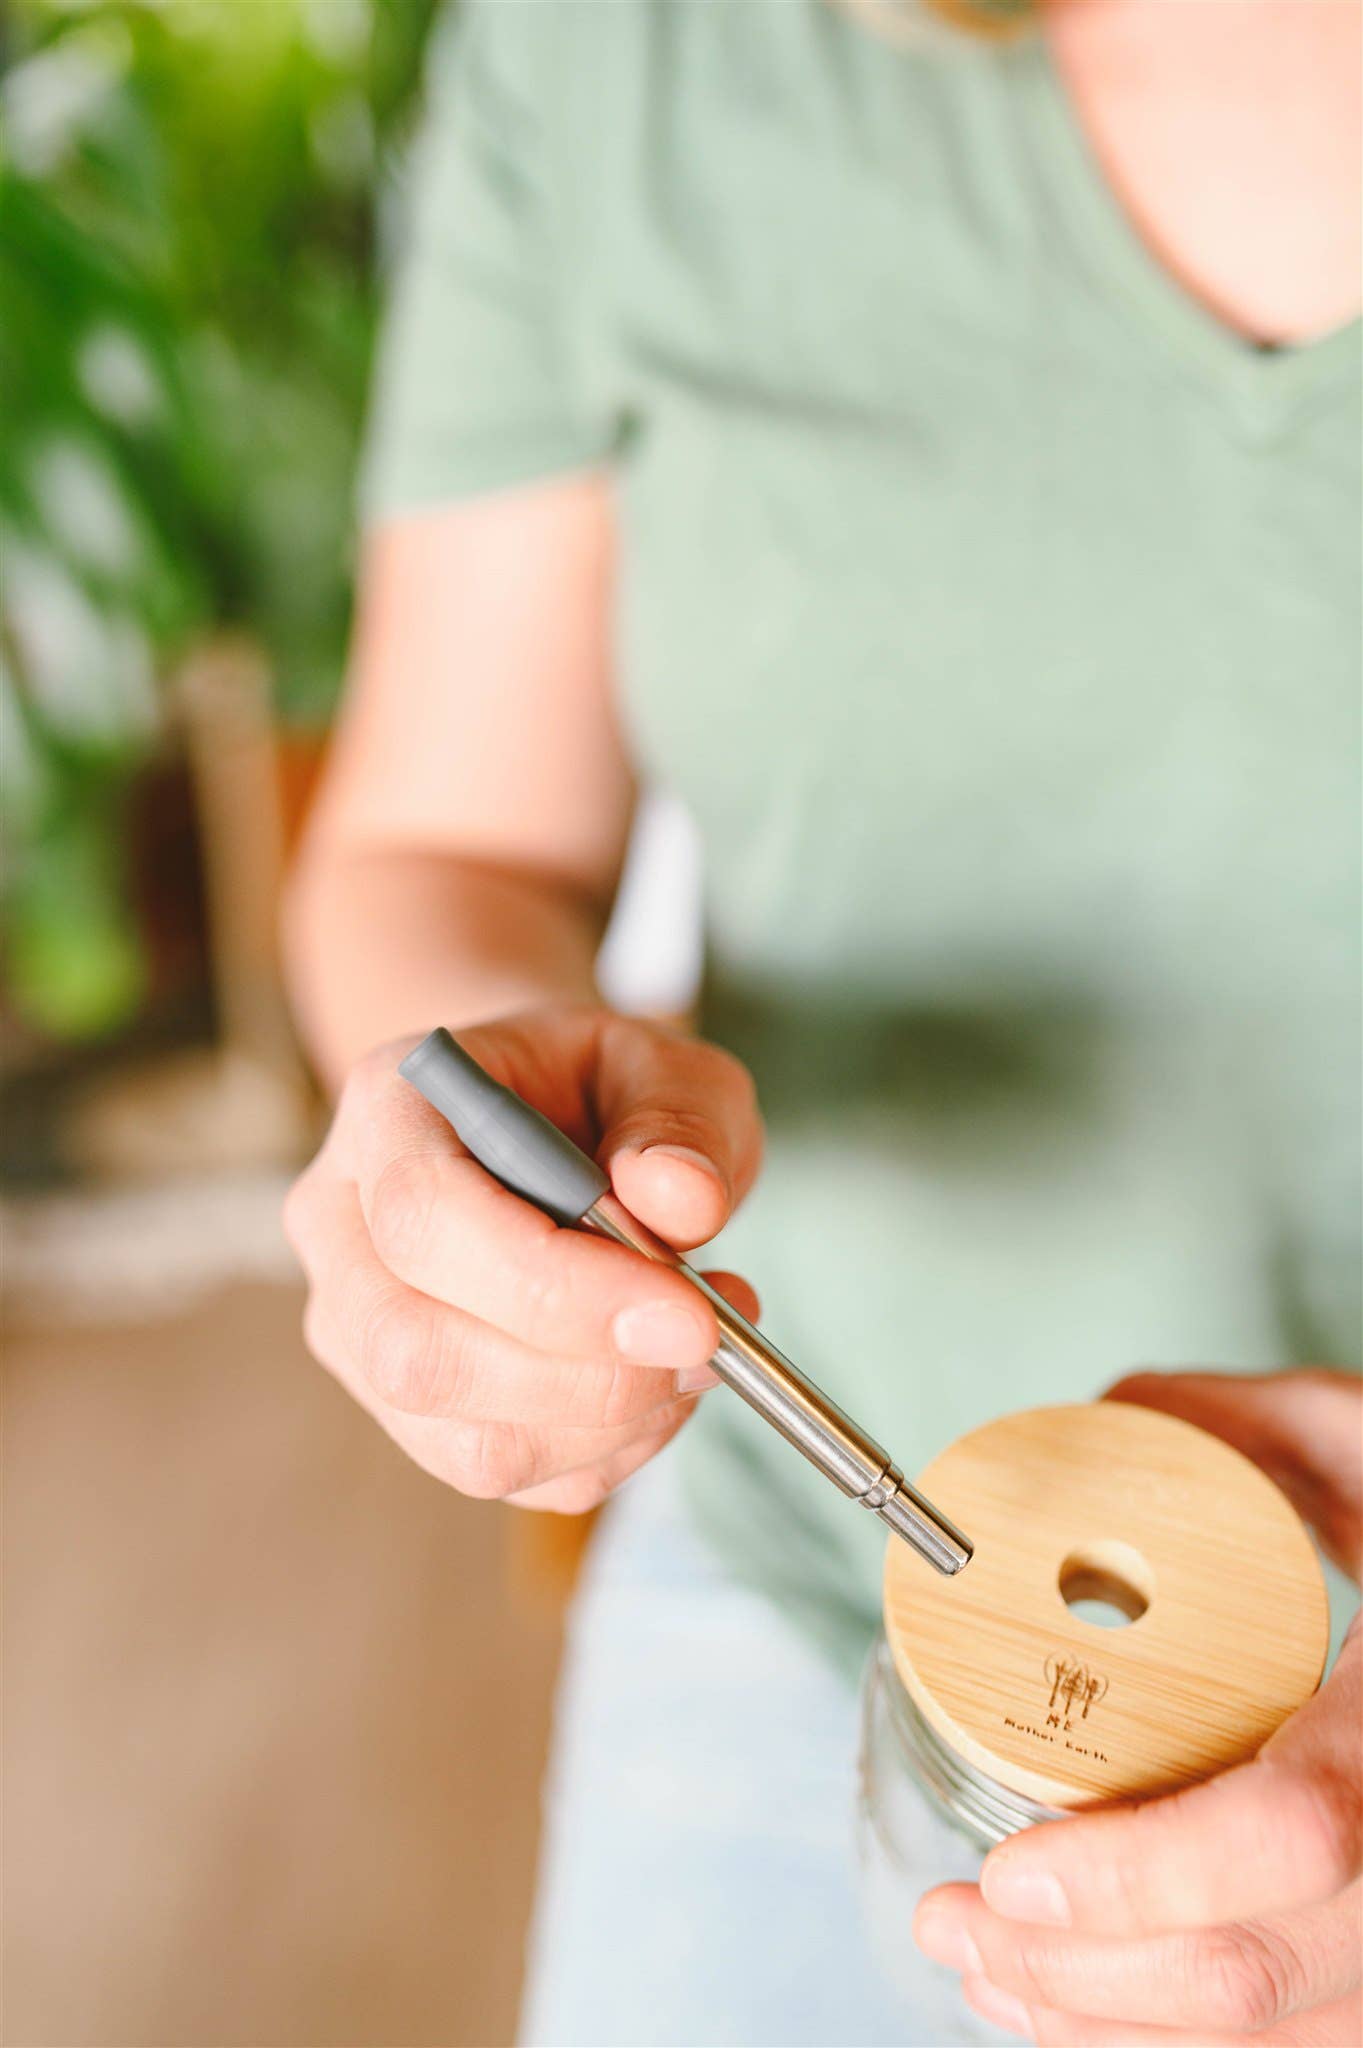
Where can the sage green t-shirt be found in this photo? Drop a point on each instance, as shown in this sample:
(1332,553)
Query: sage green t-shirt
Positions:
(996,614)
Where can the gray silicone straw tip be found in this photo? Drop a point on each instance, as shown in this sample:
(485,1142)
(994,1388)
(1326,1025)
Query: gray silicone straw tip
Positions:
(517,1145)
(450,1079)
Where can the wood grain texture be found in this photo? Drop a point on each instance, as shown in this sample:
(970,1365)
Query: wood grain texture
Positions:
(1232,1638)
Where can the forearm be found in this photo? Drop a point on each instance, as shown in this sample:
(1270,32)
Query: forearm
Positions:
(380,942)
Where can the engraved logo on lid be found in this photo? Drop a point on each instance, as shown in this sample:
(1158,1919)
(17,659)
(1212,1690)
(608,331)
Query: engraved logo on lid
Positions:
(1074,1689)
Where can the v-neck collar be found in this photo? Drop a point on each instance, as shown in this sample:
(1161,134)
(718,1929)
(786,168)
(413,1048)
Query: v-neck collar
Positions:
(1263,387)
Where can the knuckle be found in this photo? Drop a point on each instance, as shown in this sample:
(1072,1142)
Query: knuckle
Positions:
(400,1205)
(742,1083)
(540,1286)
(727,1069)
(584,1491)
(1148,1843)
(483,1461)
(623,1397)
(1249,1979)
(1329,1830)
(1034,1979)
(741,1090)
(1317,1814)
(358,1088)
(398,1354)
(1067,2030)
(314,1328)
(296,1211)
(577,1493)
(1121,1879)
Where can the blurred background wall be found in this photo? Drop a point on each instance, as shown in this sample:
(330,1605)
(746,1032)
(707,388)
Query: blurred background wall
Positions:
(275,1705)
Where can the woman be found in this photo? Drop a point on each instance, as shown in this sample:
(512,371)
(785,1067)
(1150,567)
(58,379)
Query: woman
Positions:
(936,460)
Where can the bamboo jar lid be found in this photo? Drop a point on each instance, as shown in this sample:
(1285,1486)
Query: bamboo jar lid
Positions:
(1229,1624)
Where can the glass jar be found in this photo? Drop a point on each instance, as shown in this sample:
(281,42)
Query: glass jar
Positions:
(914,1788)
(922,1820)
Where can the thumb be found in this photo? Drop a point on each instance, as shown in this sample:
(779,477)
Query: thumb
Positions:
(680,1134)
(1303,1428)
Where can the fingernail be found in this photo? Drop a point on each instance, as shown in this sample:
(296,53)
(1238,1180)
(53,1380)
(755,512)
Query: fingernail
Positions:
(654,1333)
(1022,1894)
(695,1379)
(1000,2007)
(683,1152)
(946,1941)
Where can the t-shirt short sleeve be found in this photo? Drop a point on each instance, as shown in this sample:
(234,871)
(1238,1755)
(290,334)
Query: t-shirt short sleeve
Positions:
(474,389)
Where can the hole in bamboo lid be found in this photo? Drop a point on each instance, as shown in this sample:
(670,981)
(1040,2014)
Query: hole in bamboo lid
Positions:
(1106,1584)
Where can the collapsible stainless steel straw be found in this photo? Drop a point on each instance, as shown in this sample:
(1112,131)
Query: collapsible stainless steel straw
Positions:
(527,1154)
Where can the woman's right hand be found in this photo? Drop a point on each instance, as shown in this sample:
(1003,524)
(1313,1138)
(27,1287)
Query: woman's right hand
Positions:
(511,1358)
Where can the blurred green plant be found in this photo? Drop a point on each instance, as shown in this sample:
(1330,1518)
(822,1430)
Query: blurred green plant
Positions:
(188,199)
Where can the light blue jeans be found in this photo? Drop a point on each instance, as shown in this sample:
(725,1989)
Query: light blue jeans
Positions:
(700,1883)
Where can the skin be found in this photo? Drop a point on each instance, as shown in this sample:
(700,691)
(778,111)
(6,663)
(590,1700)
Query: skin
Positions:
(514,1360)
(1229,130)
(453,872)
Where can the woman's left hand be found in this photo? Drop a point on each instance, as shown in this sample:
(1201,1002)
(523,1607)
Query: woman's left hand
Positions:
(1232,1911)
